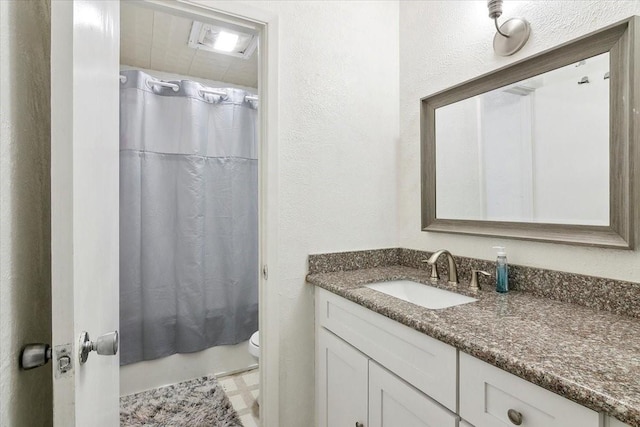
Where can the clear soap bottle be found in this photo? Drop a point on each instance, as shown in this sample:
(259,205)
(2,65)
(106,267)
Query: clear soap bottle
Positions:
(502,271)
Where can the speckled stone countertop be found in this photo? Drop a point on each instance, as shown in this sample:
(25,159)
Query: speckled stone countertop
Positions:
(591,357)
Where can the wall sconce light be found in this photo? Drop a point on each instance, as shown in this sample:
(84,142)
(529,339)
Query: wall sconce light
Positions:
(511,35)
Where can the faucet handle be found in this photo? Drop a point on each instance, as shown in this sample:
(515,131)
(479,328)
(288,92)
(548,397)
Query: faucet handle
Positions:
(435,276)
(474,285)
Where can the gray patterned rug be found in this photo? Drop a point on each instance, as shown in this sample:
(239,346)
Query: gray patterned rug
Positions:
(200,402)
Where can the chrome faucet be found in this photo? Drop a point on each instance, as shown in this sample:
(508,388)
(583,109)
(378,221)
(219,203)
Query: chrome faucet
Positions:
(453,270)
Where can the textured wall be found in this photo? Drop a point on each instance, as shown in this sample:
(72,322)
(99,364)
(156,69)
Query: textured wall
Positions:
(25,299)
(443,43)
(338,107)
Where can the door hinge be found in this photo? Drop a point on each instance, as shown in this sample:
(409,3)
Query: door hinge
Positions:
(265,272)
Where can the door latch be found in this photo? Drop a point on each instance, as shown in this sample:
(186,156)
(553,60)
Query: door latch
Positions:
(38,354)
(35,355)
(63,360)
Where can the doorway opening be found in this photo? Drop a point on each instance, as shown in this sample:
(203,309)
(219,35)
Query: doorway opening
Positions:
(192,211)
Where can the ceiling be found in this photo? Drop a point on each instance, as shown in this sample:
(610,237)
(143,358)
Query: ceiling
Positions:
(158,41)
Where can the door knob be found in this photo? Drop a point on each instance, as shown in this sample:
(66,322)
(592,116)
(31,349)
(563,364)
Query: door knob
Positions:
(106,345)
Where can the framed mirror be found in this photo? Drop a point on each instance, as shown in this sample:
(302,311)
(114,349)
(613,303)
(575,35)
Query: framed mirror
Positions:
(546,149)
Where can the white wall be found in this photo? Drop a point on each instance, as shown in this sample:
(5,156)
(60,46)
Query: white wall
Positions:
(25,274)
(338,108)
(434,56)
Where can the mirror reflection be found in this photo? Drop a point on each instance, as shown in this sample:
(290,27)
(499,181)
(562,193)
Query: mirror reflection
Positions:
(535,151)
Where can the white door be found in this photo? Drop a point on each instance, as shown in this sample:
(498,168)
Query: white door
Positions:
(85,38)
(392,403)
(342,383)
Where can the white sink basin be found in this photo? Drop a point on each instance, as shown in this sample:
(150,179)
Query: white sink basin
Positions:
(420,294)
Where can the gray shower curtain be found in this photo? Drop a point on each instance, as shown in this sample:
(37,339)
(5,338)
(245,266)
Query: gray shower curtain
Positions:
(188,219)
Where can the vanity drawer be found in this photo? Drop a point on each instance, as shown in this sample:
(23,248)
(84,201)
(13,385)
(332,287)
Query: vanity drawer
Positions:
(424,362)
(488,393)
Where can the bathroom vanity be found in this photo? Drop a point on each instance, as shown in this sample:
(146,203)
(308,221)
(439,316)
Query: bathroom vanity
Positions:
(503,360)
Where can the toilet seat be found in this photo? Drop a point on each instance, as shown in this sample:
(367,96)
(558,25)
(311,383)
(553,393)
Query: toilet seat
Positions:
(254,345)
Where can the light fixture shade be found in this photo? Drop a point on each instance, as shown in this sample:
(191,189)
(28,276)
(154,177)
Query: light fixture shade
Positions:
(222,40)
(226,42)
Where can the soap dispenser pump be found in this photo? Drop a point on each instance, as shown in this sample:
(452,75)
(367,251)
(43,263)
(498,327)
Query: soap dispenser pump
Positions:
(502,270)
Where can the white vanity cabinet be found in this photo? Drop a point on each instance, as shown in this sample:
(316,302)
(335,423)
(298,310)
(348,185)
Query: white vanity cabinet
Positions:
(372,371)
(353,390)
(366,363)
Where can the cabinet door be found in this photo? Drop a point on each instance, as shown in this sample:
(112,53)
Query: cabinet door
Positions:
(424,362)
(393,403)
(341,376)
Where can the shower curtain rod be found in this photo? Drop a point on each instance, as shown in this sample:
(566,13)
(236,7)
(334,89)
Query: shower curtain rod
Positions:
(176,87)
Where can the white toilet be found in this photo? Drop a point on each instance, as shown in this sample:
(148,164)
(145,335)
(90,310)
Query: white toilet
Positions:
(254,345)
(254,350)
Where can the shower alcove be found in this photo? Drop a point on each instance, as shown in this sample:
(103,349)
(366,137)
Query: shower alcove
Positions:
(188,201)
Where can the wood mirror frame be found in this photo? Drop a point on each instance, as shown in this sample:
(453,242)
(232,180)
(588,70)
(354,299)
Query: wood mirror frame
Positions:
(621,41)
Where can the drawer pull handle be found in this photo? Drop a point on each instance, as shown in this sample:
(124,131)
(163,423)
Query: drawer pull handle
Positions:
(514,416)
(359,424)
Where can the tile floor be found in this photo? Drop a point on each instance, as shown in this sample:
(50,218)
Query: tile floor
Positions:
(242,390)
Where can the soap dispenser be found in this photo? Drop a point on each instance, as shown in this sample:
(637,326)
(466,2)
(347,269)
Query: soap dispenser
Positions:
(502,270)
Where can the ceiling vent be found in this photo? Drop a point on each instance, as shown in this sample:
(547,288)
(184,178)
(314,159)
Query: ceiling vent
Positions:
(222,40)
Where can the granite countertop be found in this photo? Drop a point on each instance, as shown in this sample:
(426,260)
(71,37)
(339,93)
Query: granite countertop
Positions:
(591,357)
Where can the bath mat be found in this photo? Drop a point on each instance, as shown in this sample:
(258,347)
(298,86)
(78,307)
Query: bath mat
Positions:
(200,402)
